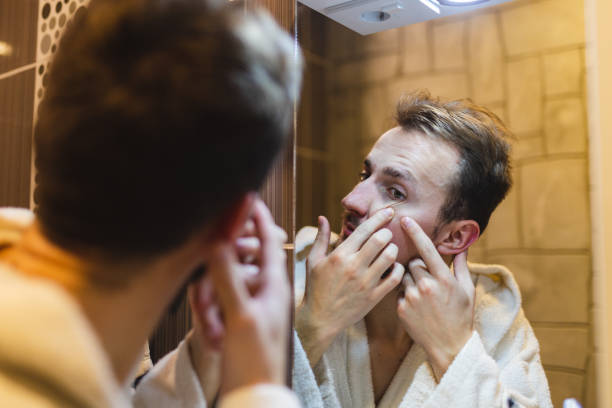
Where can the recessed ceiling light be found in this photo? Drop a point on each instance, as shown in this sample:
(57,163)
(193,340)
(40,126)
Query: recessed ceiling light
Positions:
(460,2)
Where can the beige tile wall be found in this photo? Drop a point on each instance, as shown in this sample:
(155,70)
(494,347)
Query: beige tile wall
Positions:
(525,61)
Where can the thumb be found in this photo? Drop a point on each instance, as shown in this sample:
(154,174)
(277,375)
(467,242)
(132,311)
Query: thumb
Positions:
(205,313)
(462,272)
(321,243)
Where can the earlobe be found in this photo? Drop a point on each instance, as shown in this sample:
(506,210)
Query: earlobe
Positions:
(458,237)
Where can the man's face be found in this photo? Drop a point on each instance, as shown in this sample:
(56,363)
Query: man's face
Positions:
(406,170)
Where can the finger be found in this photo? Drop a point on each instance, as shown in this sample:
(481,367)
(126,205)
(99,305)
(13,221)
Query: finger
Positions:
(251,278)
(223,268)
(462,272)
(401,306)
(385,260)
(390,282)
(206,313)
(418,270)
(248,249)
(321,243)
(427,250)
(366,229)
(408,280)
(371,250)
(281,234)
(273,257)
(249,228)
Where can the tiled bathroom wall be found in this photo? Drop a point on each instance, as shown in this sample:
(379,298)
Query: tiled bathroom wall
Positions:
(525,61)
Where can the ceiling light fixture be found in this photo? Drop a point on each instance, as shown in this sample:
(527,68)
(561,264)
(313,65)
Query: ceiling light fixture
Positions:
(460,2)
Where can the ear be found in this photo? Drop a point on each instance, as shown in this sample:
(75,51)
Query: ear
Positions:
(457,236)
(231,221)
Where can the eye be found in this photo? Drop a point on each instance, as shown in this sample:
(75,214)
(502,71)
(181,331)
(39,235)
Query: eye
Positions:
(363,175)
(395,194)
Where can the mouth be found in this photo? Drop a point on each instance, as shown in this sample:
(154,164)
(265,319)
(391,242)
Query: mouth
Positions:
(347,229)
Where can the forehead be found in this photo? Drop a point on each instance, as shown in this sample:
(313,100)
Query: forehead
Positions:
(430,160)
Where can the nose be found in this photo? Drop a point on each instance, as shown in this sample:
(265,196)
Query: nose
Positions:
(358,200)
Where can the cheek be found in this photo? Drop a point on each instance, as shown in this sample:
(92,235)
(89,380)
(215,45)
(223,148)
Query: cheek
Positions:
(407,250)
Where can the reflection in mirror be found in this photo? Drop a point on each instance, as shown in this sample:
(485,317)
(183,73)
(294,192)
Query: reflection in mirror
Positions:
(524,61)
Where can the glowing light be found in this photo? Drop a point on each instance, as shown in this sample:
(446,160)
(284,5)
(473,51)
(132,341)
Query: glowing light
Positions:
(5,49)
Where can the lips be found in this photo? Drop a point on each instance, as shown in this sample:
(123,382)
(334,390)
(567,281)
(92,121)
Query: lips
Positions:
(347,229)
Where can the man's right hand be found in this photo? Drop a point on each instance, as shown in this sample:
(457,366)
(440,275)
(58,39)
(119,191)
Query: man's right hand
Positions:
(255,306)
(342,287)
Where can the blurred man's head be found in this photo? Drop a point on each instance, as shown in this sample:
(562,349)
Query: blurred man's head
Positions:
(159,115)
(446,165)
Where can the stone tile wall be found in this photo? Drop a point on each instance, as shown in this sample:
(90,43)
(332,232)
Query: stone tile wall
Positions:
(525,61)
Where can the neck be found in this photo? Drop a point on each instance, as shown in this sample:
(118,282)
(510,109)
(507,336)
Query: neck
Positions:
(383,323)
(123,317)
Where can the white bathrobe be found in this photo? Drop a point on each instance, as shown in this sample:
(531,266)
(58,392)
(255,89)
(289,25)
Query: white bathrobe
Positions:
(498,367)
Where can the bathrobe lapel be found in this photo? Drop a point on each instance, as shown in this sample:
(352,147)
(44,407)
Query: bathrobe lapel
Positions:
(411,385)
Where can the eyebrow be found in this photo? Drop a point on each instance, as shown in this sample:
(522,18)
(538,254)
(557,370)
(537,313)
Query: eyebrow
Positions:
(395,173)
(392,172)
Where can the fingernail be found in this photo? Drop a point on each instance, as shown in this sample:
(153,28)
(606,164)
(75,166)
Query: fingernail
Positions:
(406,222)
(388,212)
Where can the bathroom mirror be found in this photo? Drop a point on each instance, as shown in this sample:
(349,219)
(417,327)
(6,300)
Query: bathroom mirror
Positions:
(524,60)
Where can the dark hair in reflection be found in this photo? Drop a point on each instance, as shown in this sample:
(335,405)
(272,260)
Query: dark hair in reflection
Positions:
(484,175)
(159,114)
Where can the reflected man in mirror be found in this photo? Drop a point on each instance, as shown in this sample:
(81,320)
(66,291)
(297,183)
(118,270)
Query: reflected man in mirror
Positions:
(390,313)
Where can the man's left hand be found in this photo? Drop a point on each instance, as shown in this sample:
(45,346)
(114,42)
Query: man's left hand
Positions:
(437,308)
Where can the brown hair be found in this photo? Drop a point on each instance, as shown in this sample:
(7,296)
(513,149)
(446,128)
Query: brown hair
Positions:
(158,115)
(484,175)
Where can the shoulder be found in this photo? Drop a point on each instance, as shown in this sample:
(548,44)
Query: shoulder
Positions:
(498,315)
(306,237)
(59,343)
(496,280)
(13,222)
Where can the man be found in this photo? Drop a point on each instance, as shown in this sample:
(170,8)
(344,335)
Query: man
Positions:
(383,320)
(160,122)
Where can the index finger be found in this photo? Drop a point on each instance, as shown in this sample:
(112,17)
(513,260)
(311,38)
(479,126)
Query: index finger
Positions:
(272,266)
(365,230)
(425,247)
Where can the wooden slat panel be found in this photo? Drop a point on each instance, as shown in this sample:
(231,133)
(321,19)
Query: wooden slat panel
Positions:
(18,19)
(282,10)
(16,112)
